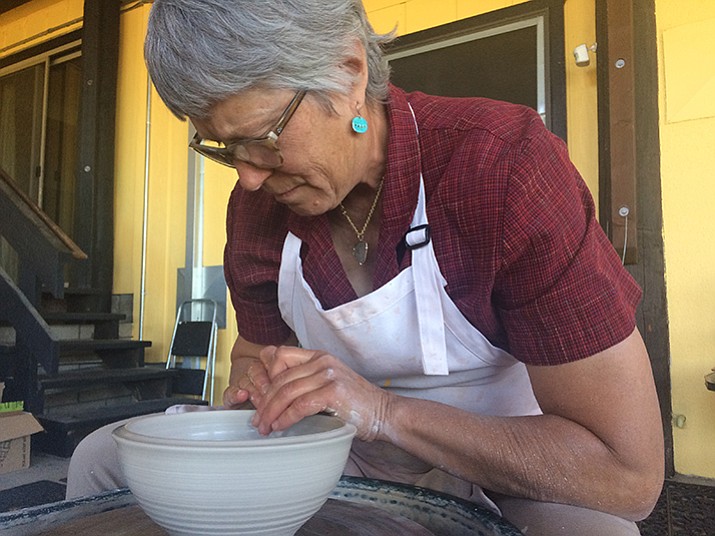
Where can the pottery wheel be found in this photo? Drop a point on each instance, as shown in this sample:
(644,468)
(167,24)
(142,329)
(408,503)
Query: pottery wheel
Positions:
(342,518)
(335,518)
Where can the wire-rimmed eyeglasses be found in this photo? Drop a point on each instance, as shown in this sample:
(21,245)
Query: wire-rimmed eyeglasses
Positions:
(262,152)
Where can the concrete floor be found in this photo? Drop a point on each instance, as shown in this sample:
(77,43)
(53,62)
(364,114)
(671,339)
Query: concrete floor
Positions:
(42,467)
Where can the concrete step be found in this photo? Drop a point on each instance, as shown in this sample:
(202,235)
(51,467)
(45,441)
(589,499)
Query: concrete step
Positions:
(116,353)
(84,378)
(64,431)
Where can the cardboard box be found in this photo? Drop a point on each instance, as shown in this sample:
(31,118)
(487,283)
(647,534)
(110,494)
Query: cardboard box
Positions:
(16,427)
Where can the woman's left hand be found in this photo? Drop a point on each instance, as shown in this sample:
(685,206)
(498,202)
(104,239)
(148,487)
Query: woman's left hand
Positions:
(306,382)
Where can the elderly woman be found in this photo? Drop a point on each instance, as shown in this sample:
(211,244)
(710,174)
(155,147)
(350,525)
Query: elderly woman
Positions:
(429,269)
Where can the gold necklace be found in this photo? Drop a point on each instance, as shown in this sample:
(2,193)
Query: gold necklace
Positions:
(360,248)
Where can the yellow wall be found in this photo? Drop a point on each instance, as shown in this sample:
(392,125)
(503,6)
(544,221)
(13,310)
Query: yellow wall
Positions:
(166,209)
(166,187)
(687,136)
(411,16)
(28,24)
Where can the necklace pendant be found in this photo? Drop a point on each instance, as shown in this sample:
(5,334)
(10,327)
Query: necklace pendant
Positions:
(360,252)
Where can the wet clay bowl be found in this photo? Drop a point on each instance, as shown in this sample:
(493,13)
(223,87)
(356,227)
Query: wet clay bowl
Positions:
(211,473)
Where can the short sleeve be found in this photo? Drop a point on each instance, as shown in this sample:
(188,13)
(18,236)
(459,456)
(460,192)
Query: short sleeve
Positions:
(561,290)
(255,229)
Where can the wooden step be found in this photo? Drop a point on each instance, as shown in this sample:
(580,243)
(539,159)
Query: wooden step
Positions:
(83,378)
(63,432)
(116,353)
(81,317)
(76,300)
(101,345)
(84,325)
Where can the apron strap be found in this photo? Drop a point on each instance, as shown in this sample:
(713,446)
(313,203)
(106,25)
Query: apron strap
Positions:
(428,297)
(428,279)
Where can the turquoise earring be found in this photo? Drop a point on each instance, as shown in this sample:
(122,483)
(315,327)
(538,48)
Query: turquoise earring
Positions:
(359,124)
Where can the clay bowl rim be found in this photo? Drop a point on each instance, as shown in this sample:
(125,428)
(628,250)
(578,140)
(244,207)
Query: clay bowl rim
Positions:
(125,433)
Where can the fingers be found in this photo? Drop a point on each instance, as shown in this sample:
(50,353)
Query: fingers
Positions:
(298,392)
(257,379)
(248,388)
(304,406)
(277,359)
(298,383)
(235,398)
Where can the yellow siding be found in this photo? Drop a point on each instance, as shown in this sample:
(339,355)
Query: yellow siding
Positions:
(410,16)
(581,96)
(422,14)
(166,212)
(470,8)
(27,25)
(389,18)
(687,139)
(219,182)
(130,153)
(374,5)
(689,97)
(166,224)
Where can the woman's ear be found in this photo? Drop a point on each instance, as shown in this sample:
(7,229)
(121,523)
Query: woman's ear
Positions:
(356,65)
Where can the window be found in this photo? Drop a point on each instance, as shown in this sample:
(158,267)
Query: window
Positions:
(511,54)
(40,100)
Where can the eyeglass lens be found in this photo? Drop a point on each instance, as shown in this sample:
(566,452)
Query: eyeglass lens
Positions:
(262,152)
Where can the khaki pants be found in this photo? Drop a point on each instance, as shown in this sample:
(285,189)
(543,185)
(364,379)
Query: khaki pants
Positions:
(94,468)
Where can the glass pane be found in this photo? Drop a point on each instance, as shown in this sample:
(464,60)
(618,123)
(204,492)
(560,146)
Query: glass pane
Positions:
(502,66)
(9,260)
(21,127)
(63,102)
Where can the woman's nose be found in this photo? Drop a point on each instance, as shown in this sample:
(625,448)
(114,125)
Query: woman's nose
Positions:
(250,177)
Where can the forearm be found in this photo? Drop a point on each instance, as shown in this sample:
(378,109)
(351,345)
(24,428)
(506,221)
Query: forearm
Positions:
(545,458)
(599,443)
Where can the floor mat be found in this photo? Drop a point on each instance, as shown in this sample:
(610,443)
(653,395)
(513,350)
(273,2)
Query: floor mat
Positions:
(36,493)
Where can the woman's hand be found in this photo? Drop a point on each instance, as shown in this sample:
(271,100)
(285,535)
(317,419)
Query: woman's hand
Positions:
(305,382)
(245,384)
(248,376)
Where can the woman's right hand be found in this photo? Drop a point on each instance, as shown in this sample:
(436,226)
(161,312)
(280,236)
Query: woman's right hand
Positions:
(248,378)
(301,382)
(250,381)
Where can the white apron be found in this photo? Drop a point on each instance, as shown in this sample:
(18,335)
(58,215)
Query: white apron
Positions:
(388,337)
(410,338)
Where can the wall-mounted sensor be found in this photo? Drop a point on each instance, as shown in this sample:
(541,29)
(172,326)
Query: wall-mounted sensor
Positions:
(581,54)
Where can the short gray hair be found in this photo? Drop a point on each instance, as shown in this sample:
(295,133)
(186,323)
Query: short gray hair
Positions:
(200,52)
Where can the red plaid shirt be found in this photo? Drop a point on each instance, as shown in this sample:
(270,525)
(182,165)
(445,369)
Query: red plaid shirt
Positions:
(512,223)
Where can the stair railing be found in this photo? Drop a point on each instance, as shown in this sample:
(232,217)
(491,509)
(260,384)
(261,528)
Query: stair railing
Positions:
(43,250)
(42,246)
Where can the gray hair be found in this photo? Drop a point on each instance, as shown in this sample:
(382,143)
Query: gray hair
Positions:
(200,52)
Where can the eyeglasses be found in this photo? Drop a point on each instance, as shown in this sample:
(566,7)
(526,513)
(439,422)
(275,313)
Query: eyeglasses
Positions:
(260,152)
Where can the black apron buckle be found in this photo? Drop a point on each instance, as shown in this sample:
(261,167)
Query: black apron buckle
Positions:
(417,237)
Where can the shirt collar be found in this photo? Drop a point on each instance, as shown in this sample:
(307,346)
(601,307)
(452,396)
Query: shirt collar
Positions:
(403,165)
(401,187)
